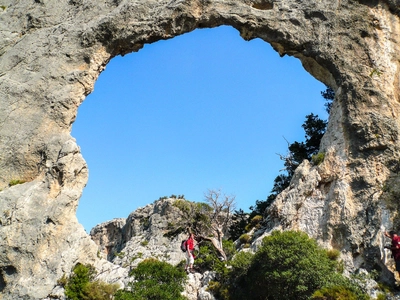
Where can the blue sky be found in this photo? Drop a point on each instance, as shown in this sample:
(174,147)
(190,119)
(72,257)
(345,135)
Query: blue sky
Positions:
(204,110)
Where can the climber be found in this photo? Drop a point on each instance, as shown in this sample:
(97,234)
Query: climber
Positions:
(395,247)
(189,253)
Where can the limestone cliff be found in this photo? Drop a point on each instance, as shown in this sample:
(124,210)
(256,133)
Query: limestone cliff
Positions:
(51,53)
(145,233)
(148,232)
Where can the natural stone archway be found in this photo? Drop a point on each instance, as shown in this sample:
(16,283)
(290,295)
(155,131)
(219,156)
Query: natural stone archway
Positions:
(51,53)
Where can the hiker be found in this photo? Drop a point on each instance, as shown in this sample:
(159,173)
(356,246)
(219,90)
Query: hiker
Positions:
(395,247)
(189,253)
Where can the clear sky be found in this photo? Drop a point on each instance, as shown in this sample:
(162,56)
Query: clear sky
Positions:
(204,110)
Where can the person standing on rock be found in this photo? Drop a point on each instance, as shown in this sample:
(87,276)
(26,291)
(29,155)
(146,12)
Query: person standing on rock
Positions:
(395,247)
(189,253)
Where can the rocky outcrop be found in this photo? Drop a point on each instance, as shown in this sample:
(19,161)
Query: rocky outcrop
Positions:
(148,232)
(51,53)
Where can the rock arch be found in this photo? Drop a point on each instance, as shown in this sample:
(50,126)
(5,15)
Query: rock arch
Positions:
(52,52)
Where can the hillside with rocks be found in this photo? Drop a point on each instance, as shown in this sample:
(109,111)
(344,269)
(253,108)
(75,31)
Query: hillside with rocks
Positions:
(147,233)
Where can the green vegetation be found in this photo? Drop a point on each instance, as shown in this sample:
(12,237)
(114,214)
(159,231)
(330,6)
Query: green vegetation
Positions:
(318,158)
(119,254)
(333,254)
(255,222)
(172,197)
(334,293)
(145,222)
(154,280)
(239,223)
(15,182)
(288,265)
(82,286)
(245,238)
(136,256)
(298,152)
(208,257)
(314,129)
(381,296)
(208,221)
(375,72)
(329,96)
(288,259)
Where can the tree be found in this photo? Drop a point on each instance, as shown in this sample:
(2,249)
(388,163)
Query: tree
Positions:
(281,182)
(329,96)
(79,280)
(154,280)
(314,129)
(208,221)
(288,265)
(220,219)
(82,285)
(288,259)
(239,222)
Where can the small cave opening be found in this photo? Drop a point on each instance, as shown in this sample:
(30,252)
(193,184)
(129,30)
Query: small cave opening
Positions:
(6,272)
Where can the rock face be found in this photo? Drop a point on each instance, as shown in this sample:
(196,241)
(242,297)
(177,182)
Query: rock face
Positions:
(146,233)
(51,53)
(142,235)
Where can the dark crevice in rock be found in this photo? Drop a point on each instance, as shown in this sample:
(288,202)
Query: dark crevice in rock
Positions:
(50,221)
(315,15)
(7,271)
(369,3)
(263,5)
(3,284)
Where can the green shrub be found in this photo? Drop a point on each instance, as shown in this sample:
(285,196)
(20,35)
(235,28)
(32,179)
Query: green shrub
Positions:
(136,256)
(229,248)
(154,280)
(334,293)
(318,158)
(236,279)
(238,267)
(381,296)
(81,285)
(15,182)
(245,238)
(119,254)
(80,278)
(333,254)
(240,264)
(288,265)
(63,280)
(145,222)
(98,290)
(256,220)
(289,259)
(207,258)
(218,290)
(239,222)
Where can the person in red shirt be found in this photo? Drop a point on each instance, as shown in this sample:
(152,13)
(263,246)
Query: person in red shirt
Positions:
(189,253)
(395,247)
